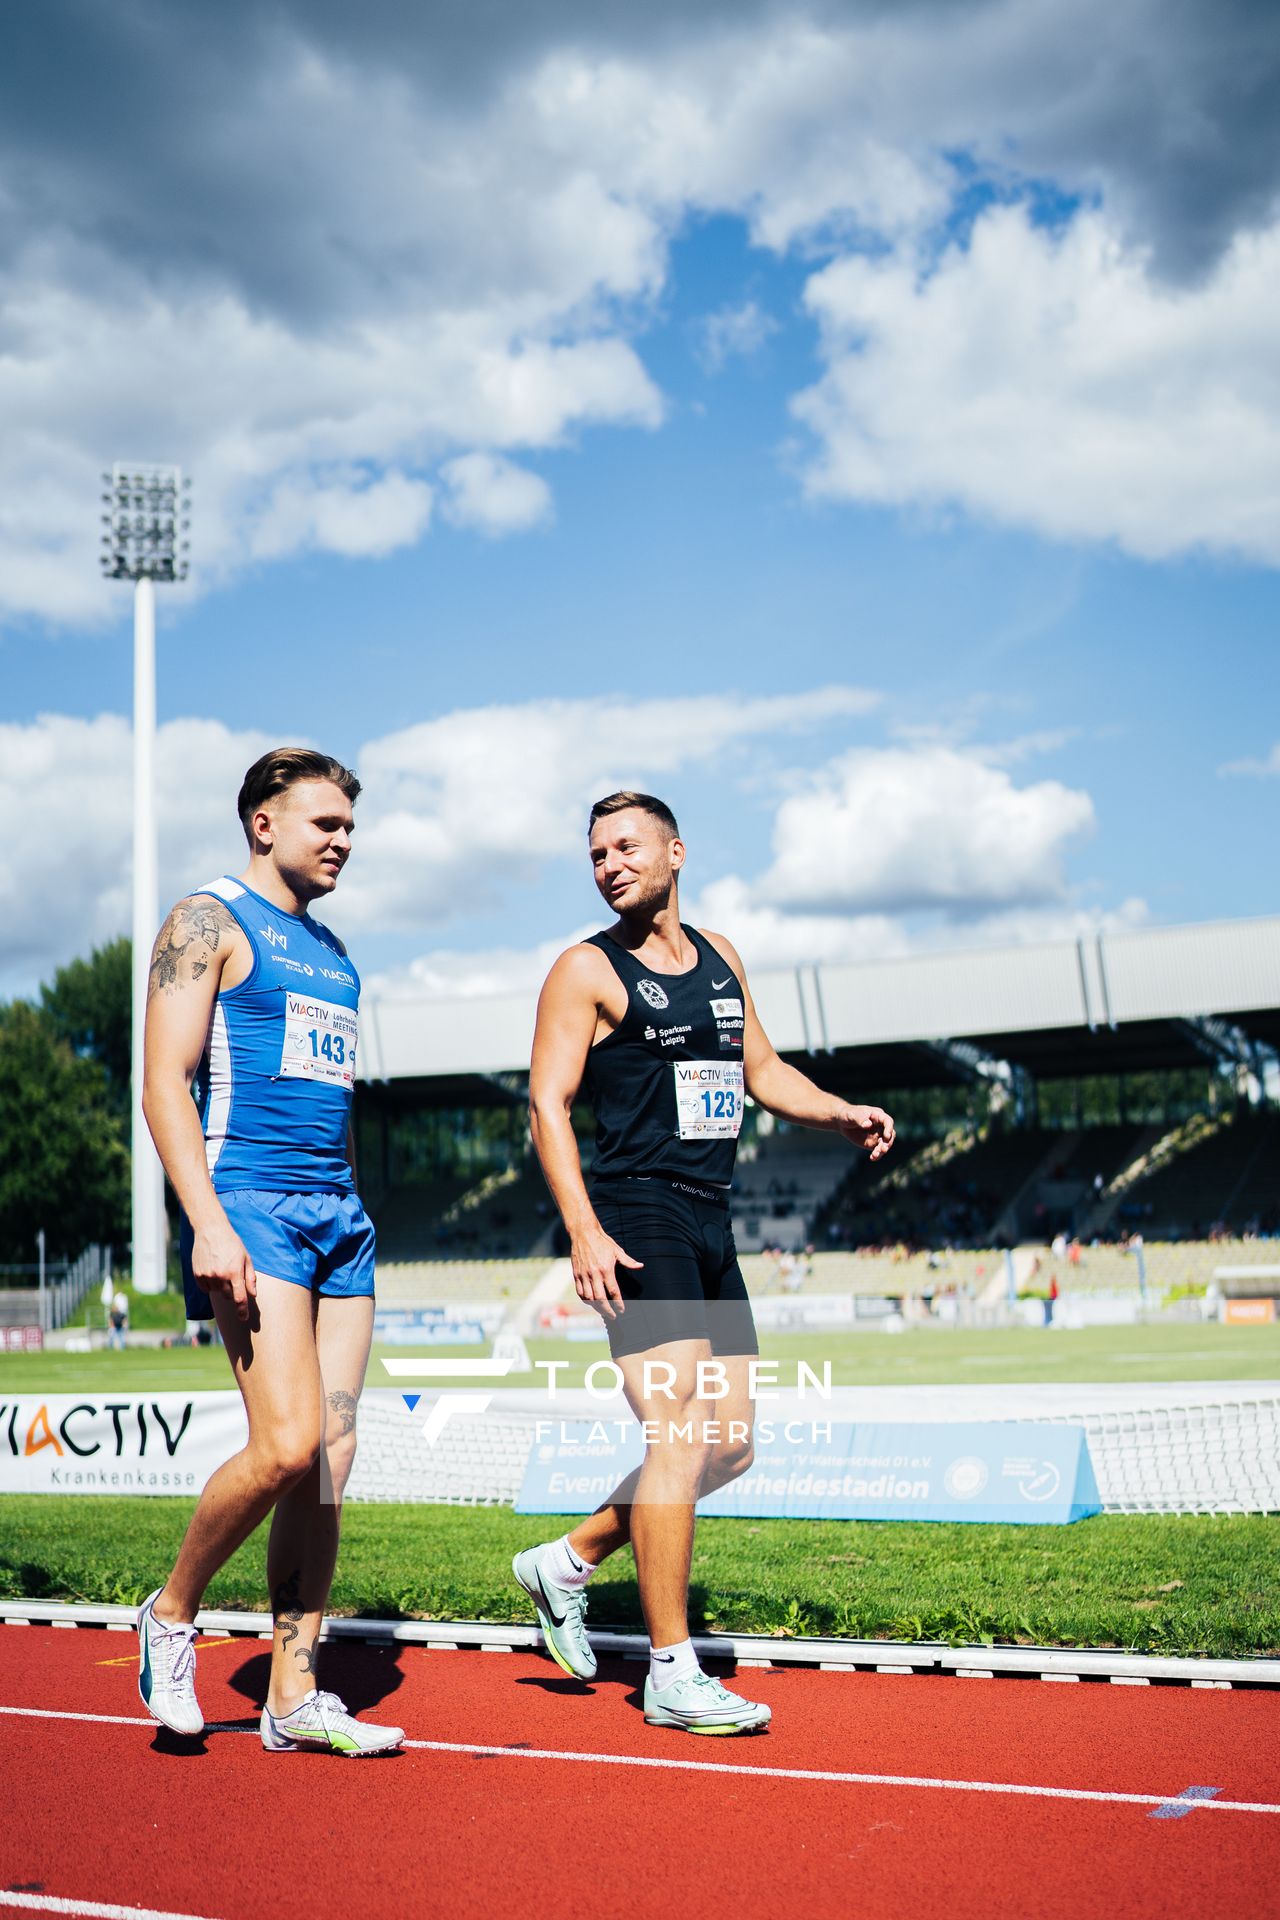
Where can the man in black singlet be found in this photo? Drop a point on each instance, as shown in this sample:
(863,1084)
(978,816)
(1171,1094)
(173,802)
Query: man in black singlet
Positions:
(654,1021)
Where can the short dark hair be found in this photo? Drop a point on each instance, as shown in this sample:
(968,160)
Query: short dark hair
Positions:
(283,768)
(627,801)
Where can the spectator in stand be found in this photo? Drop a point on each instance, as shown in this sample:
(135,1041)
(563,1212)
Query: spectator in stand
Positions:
(1052,1300)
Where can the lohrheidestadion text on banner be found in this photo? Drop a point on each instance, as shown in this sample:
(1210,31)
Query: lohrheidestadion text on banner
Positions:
(1010,1471)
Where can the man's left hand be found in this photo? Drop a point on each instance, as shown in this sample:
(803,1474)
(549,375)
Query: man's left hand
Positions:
(869,1127)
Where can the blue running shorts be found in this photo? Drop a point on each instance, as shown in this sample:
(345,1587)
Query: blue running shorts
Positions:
(322,1241)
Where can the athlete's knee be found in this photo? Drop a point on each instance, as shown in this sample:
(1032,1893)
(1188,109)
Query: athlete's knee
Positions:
(733,1456)
(680,1444)
(286,1454)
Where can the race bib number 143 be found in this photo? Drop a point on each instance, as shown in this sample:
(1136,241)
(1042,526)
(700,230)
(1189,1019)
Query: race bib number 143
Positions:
(709,1098)
(319,1041)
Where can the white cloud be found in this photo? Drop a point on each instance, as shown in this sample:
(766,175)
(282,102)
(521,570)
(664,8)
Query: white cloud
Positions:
(455,808)
(493,495)
(1050,381)
(456,812)
(883,851)
(896,830)
(269,424)
(1253,769)
(66,878)
(448,974)
(356,520)
(1031,926)
(781,126)
(374,249)
(769,936)
(733,332)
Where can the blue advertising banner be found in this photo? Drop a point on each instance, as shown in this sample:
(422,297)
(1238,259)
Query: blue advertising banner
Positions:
(433,1326)
(1012,1471)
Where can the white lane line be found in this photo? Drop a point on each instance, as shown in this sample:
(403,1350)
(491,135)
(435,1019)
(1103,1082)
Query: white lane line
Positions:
(95,1909)
(106,1719)
(843,1779)
(718,1766)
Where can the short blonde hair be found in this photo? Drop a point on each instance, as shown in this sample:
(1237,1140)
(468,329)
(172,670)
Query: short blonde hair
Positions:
(626,801)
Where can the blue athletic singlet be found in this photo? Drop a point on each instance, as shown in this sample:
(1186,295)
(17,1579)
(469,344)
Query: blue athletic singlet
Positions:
(274,1086)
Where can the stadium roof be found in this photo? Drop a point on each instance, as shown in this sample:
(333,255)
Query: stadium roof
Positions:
(1112,1003)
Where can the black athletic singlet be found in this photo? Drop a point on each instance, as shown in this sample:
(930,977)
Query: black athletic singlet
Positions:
(666,1084)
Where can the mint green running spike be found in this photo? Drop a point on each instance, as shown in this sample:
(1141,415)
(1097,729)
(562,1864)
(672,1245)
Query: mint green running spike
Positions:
(322,1722)
(562,1612)
(700,1704)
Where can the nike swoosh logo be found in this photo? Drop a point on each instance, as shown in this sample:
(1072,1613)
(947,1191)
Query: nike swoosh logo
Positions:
(667,1659)
(572,1562)
(557,1619)
(717,984)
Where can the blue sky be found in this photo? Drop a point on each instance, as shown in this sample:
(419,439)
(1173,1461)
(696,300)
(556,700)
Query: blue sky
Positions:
(984,432)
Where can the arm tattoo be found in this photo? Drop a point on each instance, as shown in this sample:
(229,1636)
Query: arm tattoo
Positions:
(198,924)
(288,1612)
(344,1405)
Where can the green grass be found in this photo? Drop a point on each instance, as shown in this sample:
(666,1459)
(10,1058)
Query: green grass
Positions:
(942,1356)
(927,1356)
(1156,1585)
(148,1312)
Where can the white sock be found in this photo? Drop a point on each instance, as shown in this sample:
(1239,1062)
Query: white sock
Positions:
(564,1566)
(669,1664)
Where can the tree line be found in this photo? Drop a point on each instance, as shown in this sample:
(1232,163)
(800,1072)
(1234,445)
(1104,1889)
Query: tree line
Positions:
(64,1110)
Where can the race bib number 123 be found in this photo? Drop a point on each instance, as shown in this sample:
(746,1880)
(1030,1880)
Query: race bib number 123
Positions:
(709,1098)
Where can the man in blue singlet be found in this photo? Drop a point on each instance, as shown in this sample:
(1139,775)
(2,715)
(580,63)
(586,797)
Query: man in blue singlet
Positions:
(654,1022)
(252,1008)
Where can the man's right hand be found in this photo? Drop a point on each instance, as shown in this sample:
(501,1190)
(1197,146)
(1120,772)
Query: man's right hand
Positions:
(595,1257)
(221,1264)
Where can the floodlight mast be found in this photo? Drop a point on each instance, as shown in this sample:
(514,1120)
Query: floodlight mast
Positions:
(144,519)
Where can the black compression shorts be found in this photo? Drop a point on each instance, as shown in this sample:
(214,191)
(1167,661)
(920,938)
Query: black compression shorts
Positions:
(690,1286)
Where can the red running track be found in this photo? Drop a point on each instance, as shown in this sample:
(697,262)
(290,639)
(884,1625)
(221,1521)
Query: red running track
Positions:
(122,1816)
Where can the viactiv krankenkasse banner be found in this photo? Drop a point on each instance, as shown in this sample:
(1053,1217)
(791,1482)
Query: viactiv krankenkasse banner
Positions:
(117,1442)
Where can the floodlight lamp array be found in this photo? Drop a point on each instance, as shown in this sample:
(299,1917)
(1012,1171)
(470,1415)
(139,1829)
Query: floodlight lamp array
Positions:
(144,521)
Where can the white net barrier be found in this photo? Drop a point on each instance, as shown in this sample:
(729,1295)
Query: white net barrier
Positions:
(1220,1458)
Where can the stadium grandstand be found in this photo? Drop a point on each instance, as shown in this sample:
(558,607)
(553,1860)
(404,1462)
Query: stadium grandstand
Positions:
(1087,1091)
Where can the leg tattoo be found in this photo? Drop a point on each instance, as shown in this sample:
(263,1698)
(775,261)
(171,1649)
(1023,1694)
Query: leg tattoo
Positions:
(344,1405)
(288,1612)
